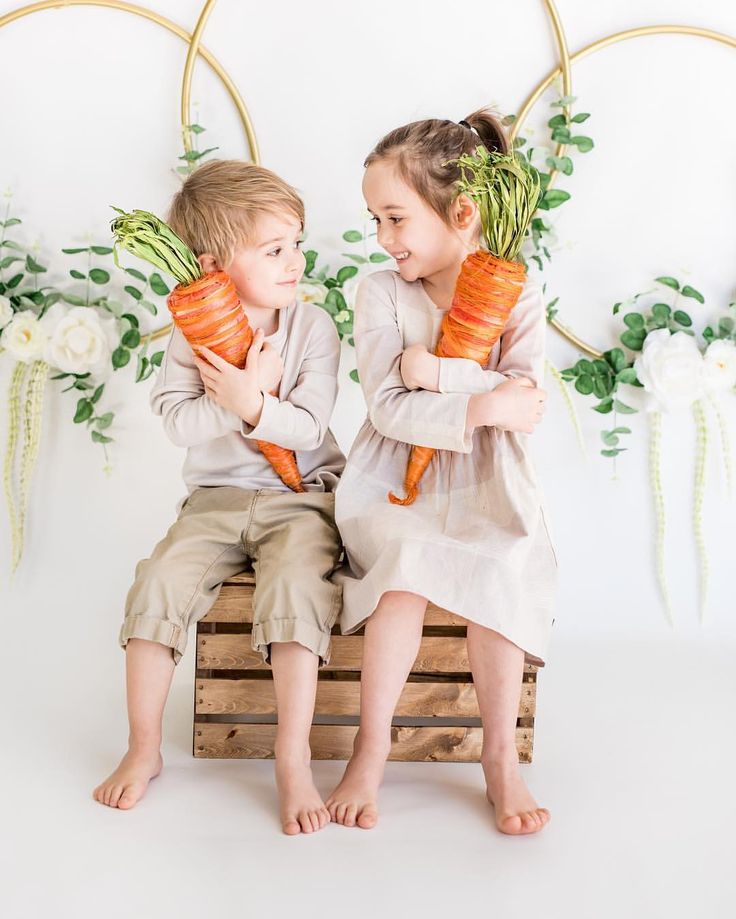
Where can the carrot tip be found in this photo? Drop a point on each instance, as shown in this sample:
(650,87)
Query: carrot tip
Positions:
(403,502)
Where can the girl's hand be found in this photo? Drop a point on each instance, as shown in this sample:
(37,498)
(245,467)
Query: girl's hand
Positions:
(270,369)
(234,389)
(420,369)
(516,405)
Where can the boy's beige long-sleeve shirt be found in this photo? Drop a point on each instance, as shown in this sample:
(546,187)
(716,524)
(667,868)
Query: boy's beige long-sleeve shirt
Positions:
(221,447)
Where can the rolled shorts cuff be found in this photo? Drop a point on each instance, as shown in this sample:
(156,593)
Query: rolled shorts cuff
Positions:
(298,630)
(151,629)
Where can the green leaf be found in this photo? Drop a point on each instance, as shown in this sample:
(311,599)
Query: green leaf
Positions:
(346,272)
(661,311)
(614,452)
(133,291)
(99,275)
(561,135)
(97,393)
(580,117)
(85,410)
(11,222)
(627,375)
(100,438)
(101,250)
(148,306)
(120,357)
(634,321)
(157,358)
(623,408)
(633,340)
(138,275)
(8,260)
(133,320)
(74,301)
(584,144)
(553,197)
(682,318)
(158,285)
(311,259)
(77,274)
(557,121)
(354,376)
(616,358)
(584,384)
(725,325)
(196,128)
(688,291)
(33,266)
(335,297)
(669,282)
(562,163)
(378,257)
(604,406)
(352,236)
(74,251)
(131,339)
(359,259)
(104,421)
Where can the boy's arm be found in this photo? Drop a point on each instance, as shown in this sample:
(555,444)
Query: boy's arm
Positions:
(428,419)
(301,420)
(190,417)
(522,353)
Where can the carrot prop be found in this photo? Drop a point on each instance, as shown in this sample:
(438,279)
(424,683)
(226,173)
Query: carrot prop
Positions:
(506,189)
(204,306)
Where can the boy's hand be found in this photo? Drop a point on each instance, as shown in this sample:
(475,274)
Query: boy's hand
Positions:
(420,369)
(270,369)
(236,390)
(516,405)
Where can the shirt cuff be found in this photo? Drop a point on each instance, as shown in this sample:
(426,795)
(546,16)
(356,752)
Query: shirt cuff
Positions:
(460,374)
(263,430)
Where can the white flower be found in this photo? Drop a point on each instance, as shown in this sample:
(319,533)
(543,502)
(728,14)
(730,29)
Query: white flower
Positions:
(79,342)
(24,337)
(719,366)
(670,368)
(311,292)
(350,289)
(6,312)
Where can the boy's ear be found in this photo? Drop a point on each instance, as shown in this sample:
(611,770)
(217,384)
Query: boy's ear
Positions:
(208,262)
(464,211)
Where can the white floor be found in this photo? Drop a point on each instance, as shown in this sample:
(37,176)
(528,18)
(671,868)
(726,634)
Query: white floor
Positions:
(635,750)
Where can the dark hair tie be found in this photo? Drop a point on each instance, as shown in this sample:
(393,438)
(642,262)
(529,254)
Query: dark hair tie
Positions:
(470,127)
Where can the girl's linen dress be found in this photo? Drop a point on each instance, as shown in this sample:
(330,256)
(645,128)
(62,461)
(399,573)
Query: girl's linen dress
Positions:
(475,541)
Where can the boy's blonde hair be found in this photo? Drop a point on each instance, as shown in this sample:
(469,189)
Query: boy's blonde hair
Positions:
(216,209)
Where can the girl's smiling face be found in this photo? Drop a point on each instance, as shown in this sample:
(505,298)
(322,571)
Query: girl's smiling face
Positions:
(411,231)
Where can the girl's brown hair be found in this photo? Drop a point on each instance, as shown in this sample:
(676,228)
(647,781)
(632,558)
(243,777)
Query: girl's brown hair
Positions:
(421,151)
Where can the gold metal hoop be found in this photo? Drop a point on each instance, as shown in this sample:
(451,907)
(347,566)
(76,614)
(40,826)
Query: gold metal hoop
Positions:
(195,49)
(578,56)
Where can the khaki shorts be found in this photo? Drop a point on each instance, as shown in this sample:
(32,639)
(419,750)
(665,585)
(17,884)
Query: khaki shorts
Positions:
(293,543)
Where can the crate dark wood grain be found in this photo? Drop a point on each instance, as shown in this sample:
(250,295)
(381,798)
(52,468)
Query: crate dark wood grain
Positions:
(436,719)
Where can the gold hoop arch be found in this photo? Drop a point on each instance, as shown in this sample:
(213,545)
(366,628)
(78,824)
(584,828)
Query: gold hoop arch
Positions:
(195,49)
(598,45)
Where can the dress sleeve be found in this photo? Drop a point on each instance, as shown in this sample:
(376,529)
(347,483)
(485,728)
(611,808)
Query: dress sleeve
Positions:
(420,417)
(302,419)
(190,417)
(521,354)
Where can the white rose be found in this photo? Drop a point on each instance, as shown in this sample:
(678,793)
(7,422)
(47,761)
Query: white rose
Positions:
(311,292)
(80,342)
(350,289)
(24,337)
(6,312)
(719,366)
(670,368)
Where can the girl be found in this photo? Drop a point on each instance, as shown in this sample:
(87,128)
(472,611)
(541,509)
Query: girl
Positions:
(475,541)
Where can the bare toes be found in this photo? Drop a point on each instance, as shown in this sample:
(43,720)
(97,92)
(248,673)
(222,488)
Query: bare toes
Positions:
(341,810)
(350,815)
(291,826)
(368,817)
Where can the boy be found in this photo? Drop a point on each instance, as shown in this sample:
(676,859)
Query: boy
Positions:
(245,220)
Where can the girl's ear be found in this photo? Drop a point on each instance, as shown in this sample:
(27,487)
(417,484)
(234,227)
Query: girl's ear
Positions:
(464,212)
(208,262)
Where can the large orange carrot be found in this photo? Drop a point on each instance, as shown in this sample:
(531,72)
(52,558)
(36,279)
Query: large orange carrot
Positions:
(506,190)
(204,306)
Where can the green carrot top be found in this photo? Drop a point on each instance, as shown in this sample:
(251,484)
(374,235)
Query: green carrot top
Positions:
(146,236)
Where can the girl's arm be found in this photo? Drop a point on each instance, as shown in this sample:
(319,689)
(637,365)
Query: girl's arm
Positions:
(428,419)
(522,354)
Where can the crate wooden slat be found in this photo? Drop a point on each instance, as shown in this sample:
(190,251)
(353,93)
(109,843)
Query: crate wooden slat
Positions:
(409,743)
(437,717)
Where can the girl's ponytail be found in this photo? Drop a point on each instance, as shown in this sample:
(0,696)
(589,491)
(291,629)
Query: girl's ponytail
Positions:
(489,130)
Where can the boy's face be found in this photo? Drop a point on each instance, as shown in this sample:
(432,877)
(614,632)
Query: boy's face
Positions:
(267,269)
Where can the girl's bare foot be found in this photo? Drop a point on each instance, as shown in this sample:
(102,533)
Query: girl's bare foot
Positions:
(301,805)
(354,801)
(517,812)
(128,783)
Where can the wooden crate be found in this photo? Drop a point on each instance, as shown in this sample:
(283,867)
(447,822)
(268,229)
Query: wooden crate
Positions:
(437,717)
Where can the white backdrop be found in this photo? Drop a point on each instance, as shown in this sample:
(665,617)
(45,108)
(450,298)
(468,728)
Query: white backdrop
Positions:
(90,118)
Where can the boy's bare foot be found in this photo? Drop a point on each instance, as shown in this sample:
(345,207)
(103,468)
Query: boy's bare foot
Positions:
(127,784)
(354,801)
(301,805)
(517,812)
